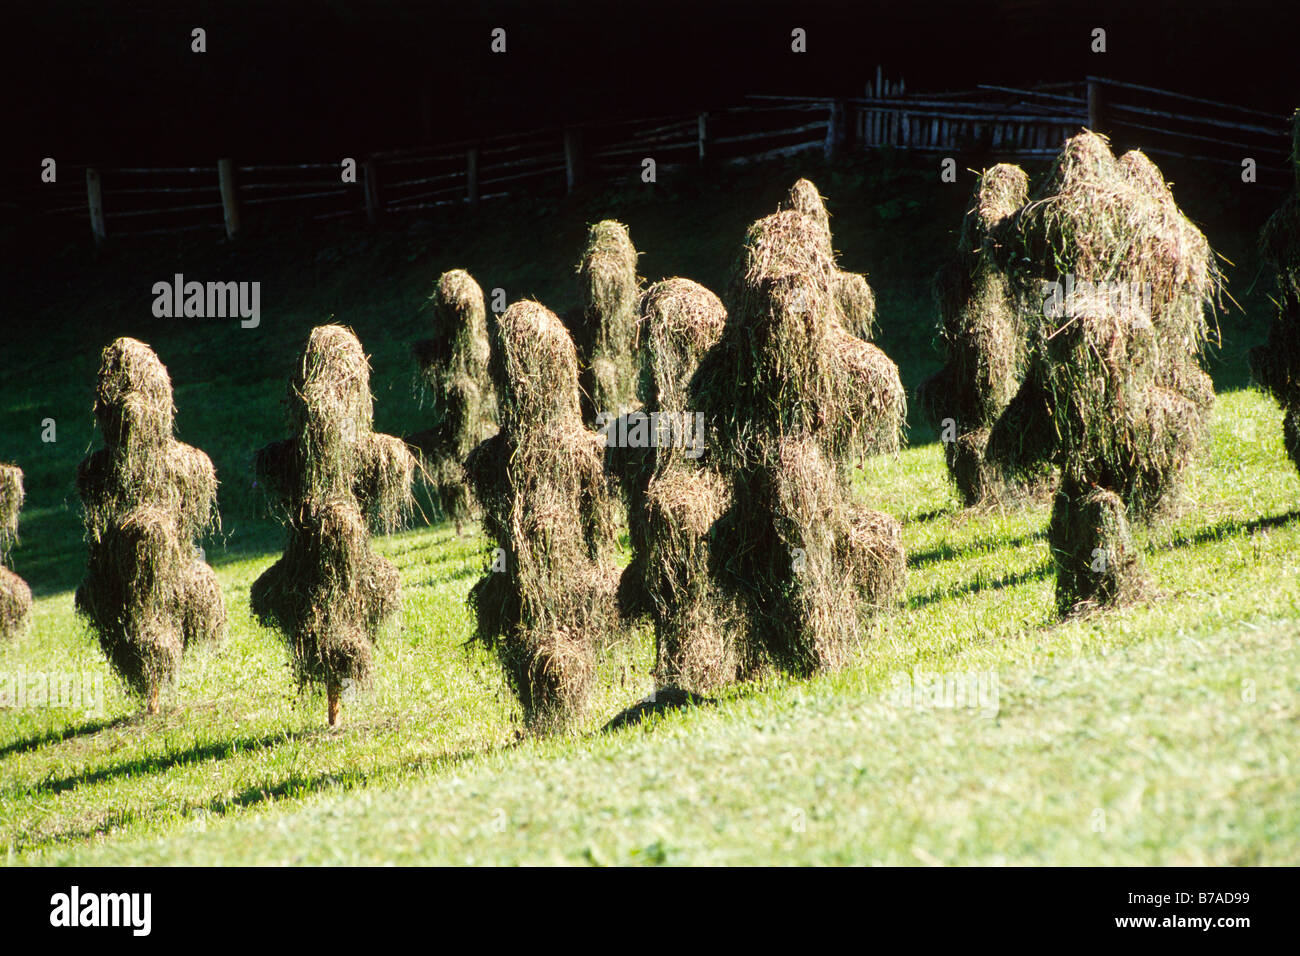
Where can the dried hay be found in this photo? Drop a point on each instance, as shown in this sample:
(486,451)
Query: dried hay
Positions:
(852,293)
(15,595)
(336,478)
(1275,365)
(606,335)
(986,337)
(454,372)
(1092,549)
(547,507)
(145,498)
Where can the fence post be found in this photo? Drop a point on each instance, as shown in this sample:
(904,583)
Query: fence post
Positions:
(471,176)
(370,177)
(229,196)
(572,158)
(1095,105)
(95,201)
(834,130)
(704,138)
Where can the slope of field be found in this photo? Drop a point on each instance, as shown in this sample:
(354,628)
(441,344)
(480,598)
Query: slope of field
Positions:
(1163,733)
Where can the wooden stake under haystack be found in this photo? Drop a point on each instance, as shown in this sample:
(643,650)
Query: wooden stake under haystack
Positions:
(145,498)
(1275,365)
(336,478)
(1119,352)
(988,374)
(15,595)
(548,601)
(792,400)
(454,369)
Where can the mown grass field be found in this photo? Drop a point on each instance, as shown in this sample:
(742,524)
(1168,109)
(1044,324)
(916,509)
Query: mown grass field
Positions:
(1161,733)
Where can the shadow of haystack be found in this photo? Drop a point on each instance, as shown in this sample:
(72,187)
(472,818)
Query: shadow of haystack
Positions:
(335,478)
(146,497)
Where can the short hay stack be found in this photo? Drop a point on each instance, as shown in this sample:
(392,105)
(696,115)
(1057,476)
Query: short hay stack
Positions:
(985,333)
(146,497)
(548,602)
(15,595)
(674,498)
(1276,364)
(606,330)
(336,477)
(454,370)
(792,399)
(1120,355)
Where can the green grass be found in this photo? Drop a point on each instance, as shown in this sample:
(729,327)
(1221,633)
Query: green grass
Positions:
(1162,733)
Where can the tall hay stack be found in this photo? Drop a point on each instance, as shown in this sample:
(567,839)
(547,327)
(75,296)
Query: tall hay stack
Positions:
(852,293)
(986,337)
(1120,359)
(793,399)
(454,370)
(1276,364)
(606,333)
(541,481)
(336,478)
(15,595)
(146,497)
(674,498)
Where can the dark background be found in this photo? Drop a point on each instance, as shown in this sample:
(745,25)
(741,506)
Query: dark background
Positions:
(115,82)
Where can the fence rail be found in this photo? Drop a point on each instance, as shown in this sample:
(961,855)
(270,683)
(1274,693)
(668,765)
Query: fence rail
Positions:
(990,120)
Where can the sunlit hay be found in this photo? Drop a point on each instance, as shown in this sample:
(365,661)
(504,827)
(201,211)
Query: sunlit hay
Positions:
(852,294)
(15,595)
(336,478)
(547,603)
(145,499)
(1096,562)
(454,372)
(792,400)
(871,551)
(674,499)
(986,338)
(1275,365)
(606,336)
(1119,354)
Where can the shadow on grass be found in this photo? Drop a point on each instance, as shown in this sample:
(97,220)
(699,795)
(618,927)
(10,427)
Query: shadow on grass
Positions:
(1227,529)
(660,702)
(979,585)
(58,736)
(945,552)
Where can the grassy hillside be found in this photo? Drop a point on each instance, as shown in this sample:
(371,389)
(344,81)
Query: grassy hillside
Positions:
(1161,733)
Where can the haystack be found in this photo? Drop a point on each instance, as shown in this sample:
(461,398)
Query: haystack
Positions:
(606,331)
(674,499)
(1275,365)
(145,498)
(336,479)
(15,595)
(986,337)
(1120,357)
(454,372)
(793,400)
(851,291)
(549,601)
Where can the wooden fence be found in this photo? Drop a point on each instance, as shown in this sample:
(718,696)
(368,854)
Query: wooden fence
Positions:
(990,121)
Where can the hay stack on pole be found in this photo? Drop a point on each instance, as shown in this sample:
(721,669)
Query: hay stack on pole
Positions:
(606,330)
(852,293)
(454,371)
(1275,365)
(793,400)
(15,595)
(986,337)
(336,478)
(548,601)
(1119,352)
(674,497)
(146,498)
